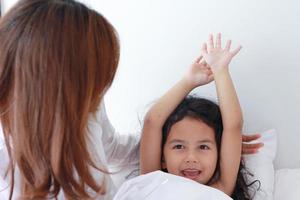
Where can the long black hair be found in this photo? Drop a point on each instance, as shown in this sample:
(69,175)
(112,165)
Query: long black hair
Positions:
(209,112)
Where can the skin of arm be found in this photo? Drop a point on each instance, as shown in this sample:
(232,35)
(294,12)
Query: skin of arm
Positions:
(150,148)
(231,144)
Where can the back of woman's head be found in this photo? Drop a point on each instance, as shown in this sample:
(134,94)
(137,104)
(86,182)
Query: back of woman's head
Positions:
(57,59)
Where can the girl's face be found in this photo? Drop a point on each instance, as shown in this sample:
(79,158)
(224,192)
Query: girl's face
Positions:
(190,150)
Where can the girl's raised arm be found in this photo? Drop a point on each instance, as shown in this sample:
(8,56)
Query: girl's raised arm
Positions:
(230,154)
(150,150)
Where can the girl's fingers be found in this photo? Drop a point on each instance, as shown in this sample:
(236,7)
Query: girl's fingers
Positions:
(218,41)
(234,52)
(211,77)
(207,66)
(210,42)
(249,138)
(203,63)
(228,44)
(204,49)
(198,59)
(210,73)
(205,71)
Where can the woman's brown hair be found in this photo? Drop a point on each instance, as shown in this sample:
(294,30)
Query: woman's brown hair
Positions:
(57,59)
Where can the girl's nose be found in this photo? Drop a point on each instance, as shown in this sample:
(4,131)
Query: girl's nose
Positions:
(191,158)
(191,161)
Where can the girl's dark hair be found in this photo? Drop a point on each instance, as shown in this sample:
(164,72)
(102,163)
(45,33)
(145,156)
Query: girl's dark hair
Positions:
(208,112)
(57,59)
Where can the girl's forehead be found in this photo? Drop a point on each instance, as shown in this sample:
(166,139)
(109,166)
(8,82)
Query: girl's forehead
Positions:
(191,138)
(191,129)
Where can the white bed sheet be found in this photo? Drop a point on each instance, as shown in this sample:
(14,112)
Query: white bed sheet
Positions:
(160,185)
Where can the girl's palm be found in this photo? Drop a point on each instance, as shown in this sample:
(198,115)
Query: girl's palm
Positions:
(215,56)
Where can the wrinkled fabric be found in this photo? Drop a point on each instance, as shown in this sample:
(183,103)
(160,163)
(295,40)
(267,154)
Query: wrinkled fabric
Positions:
(161,185)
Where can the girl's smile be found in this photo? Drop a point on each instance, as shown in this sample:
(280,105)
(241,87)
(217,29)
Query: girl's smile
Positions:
(191,173)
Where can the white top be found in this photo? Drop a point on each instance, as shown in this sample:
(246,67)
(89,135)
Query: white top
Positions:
(161,185)
(109,147)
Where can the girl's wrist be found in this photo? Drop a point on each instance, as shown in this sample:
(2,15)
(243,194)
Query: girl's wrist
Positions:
(220,70)
(187,84)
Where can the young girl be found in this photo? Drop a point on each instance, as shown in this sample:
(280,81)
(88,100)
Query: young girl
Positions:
(200,140)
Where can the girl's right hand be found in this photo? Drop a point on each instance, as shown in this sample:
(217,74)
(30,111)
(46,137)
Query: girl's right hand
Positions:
(199,73)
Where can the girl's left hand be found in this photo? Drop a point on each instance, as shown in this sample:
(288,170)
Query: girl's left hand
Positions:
(215,56)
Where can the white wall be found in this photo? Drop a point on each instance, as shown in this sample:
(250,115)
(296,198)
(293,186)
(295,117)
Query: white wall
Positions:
(159,39)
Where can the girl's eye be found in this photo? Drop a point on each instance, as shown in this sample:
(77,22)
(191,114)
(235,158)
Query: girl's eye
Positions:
(204,147)
(178,146)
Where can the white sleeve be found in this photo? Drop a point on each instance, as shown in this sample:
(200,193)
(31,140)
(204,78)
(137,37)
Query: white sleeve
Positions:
(3,155)
(120,149)
(4,160)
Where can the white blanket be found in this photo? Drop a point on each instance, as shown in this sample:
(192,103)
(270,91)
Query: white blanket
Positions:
(160,185)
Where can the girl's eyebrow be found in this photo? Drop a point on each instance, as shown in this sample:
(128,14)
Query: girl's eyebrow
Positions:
(205,141)
(177,141)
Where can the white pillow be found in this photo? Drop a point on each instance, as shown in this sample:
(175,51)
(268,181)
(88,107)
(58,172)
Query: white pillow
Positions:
(161,185)
(287,184)
(261,165)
